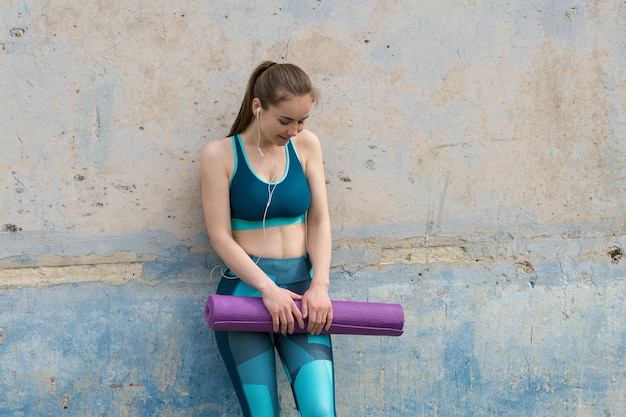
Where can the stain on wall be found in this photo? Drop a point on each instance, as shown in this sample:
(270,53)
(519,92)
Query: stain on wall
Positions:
(474,156)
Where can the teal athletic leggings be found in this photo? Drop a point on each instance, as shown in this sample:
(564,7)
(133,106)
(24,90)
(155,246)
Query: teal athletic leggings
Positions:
(249,357)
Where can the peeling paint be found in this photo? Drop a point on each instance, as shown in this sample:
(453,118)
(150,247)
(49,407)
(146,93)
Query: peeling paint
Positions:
(111,274)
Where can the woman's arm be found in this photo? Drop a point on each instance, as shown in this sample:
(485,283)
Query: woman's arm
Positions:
(316,304)
(216,165)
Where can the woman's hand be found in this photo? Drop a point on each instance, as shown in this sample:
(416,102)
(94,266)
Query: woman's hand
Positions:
(279,302)
(316,306)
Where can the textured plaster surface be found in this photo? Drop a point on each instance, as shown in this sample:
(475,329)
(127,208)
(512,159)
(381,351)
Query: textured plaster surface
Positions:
(475,159)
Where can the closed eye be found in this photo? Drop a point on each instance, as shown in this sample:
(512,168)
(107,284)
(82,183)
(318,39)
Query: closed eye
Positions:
(285,121)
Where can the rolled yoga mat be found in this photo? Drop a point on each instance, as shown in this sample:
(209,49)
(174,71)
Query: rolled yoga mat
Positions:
(248,314)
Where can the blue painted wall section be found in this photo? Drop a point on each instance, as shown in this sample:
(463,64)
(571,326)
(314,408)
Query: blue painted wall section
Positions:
(482,340)
(475,160)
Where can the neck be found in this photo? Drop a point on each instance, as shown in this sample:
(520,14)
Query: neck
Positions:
(251,139)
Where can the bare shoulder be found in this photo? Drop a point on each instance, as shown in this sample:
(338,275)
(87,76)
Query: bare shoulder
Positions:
(309,151)
(307,141)
(219,150)
(216,159)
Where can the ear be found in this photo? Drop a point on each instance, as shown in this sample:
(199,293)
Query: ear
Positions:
(256,105)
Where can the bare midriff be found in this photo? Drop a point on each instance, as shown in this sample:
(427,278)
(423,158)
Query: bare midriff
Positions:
(278,242)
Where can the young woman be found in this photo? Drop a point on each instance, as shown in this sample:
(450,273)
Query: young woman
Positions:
(266,212)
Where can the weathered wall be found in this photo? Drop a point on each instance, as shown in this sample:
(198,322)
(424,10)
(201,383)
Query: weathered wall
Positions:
(475,160)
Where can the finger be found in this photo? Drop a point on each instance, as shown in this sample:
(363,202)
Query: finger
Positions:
(295,296)
(314,324)
(329,321)
(284,325)
(305,310)
(319,327)
(311,323)
(321,324)
(299,318)
(315,329)
(290,319)
(290,325)
(275,323)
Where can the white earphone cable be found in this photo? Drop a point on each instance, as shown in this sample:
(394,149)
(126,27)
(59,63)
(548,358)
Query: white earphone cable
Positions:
(270,189)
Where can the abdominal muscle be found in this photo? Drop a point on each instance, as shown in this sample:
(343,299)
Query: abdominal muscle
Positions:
(279,242)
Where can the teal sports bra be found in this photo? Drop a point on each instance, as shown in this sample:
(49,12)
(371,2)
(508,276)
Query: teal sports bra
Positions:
(249,194)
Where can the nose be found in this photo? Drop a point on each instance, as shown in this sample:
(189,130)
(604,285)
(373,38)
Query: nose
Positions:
(293,129)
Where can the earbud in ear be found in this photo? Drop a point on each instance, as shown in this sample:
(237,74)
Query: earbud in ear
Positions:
(258,111)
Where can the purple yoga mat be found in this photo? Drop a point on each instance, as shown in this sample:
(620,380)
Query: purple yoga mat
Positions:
(248,314)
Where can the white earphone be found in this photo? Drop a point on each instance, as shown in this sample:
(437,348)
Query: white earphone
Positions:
(258,112)
(271,185)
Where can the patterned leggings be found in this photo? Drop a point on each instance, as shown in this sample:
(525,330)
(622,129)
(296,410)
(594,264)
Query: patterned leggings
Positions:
(249,357)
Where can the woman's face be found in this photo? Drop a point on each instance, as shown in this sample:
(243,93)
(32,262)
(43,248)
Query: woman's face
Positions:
(281,122)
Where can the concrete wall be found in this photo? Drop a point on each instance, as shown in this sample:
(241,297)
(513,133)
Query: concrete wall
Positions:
(475,162)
